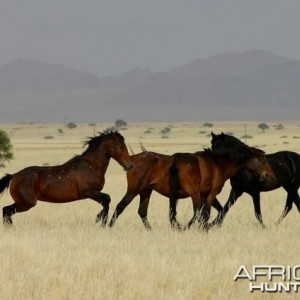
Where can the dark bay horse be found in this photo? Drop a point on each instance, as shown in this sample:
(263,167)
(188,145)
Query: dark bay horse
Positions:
(79,178)
(150,172)
(202,175)
(286,167)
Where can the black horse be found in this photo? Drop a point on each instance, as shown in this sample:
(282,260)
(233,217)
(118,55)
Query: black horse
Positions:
(202,175)
(286,167)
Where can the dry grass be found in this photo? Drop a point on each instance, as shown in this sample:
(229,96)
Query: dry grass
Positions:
(57,251)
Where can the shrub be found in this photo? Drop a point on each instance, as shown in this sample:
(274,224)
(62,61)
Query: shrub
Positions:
(71,125)
(120,123)
(207,124)
(6,153)
(247,136)
(279,127)
(165,132)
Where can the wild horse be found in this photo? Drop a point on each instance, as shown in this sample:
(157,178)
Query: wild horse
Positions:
(79,178)
(286,167)
(150,172)
(202,175)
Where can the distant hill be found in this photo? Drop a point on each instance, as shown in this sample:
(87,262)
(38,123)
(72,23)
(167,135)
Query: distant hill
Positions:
(249,78)
(253,84)
(30,74)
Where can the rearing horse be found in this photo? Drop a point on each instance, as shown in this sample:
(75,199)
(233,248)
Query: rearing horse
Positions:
(79,178)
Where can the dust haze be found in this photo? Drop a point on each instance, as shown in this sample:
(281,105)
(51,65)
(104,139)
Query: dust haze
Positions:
(142,60)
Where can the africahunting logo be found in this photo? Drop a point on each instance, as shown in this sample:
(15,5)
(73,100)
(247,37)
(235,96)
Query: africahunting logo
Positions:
(270,278)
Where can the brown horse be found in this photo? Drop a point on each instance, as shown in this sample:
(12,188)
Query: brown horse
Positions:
(79,178)
(150,172)
(202,175)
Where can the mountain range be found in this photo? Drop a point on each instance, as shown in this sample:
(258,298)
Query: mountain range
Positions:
(253,84)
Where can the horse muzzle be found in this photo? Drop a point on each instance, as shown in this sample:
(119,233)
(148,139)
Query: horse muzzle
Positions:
(127,166)
(268,179)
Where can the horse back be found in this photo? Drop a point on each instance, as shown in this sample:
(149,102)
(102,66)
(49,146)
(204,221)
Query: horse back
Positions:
(211,170)
(62,183)
(149,170)
(285,166)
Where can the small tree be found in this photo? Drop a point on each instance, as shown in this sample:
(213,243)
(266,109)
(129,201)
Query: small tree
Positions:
(71,125)
(279,127)
(6,153)
(120,123)
(207,124)
(60,131)
(165,132)
(263,126)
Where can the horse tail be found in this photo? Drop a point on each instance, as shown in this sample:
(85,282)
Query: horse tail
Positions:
(4,182)
(174,180)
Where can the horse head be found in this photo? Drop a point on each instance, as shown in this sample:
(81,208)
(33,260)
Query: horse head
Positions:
(251,158)
(111,144)
(118,150)
(260,166)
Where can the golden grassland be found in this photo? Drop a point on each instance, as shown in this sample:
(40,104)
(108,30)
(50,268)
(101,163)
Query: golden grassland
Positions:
(56,251)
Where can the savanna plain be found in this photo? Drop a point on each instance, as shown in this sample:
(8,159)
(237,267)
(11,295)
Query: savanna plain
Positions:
(56,251)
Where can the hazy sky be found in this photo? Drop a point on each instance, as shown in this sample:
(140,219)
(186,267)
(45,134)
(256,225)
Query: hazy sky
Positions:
(108,37)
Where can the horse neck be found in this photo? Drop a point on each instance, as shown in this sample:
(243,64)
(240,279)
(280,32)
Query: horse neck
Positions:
(98,160)
(228,167)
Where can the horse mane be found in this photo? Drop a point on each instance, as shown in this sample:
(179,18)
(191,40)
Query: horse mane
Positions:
(95,141)
(239,151)
(245,153)
(239,145)
(75,160)
(143,147)
(131,150)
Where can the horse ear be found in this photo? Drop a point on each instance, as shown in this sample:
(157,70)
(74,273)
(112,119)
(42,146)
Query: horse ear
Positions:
(213,135)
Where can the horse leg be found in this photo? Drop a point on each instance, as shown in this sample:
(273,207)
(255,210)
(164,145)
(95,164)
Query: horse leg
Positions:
(257,211)
(197,207)
(104,200)
(205,211)
(193,219)
(20,205)
(297,201)
(173,213)
(8,212)
(233,196)
(217,205)
(120,208)
(203,217)
(288,205)
(143,207)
